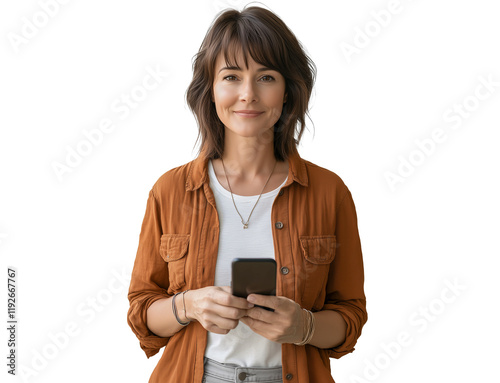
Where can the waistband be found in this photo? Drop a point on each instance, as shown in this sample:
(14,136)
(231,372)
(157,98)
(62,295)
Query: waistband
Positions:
(234,373)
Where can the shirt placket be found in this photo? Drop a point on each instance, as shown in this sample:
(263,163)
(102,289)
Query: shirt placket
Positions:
(208,227)
(286,269)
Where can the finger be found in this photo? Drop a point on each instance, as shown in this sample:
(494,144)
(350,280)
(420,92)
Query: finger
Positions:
(225,298)
(225,307)
(264,300)
(213,328)
(212,319)
(248,321)
(229,312)
(255,325)
(209,305)
(262,315)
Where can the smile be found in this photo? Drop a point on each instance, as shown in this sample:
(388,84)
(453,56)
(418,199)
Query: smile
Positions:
(248,114)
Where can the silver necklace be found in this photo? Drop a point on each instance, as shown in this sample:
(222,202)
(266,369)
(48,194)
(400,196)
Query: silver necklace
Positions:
(245,224)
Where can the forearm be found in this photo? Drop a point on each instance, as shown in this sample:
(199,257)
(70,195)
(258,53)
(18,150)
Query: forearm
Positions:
(161,319)
(330,329)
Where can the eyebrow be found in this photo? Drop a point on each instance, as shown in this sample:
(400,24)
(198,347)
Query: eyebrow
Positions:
(262,69)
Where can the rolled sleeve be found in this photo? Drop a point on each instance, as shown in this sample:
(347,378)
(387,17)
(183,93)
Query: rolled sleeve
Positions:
(149,280)
(345,291)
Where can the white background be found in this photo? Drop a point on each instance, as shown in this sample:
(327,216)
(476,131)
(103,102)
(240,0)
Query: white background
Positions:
(73,239)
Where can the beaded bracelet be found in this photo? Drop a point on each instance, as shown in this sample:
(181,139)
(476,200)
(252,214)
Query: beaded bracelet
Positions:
(174,308)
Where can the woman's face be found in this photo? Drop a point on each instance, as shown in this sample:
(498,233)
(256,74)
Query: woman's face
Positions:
(248,101)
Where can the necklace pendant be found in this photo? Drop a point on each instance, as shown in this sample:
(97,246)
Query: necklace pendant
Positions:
(245,226)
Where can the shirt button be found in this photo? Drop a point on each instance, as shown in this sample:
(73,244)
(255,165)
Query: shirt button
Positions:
(278,225)
(242,376)
(289,376)
(284,270)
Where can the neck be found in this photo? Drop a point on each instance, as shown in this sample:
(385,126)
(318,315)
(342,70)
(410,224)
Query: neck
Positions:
(247,161)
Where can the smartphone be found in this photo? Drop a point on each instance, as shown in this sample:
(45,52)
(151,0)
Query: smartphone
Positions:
(253,276)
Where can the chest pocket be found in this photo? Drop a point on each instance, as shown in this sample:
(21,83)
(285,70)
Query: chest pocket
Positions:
(319,252)
(173,250)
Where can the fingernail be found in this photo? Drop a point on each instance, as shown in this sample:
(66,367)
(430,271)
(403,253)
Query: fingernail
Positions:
(251,298)
(250,305)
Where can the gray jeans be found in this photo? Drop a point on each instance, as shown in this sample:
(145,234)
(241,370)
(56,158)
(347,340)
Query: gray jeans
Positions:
(216,372)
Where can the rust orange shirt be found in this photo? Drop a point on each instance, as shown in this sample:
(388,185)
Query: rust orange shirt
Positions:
(317,250)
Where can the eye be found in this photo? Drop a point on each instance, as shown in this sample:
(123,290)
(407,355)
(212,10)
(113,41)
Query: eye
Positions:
(269,78)
(229,77)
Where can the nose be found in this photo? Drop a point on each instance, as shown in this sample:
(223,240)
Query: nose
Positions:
(248,92)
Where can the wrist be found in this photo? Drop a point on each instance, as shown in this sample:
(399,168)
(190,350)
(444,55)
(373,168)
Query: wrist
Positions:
(187,306)
(308,327)
(305,321)
(178,308)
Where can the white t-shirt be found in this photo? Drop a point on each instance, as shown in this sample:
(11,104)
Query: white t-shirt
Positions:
(241,345)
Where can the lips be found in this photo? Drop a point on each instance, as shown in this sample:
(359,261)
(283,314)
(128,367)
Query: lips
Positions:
(248,113)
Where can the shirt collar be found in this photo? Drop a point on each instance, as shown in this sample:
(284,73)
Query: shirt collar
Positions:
(198,171)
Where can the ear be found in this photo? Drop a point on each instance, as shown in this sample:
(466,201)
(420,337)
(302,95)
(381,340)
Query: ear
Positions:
(286,95)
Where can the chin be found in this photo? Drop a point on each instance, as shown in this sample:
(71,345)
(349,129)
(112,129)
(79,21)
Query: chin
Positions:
(247,131)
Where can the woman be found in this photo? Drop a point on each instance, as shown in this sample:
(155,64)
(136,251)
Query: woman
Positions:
(248,194)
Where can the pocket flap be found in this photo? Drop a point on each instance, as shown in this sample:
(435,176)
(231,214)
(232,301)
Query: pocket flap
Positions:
(318,249)
(173,246)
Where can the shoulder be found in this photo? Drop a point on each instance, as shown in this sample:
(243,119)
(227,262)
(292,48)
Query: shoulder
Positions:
(325,181)
(172,181)
(319,175)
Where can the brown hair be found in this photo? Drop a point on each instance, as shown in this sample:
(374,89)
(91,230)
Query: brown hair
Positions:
(263,35)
